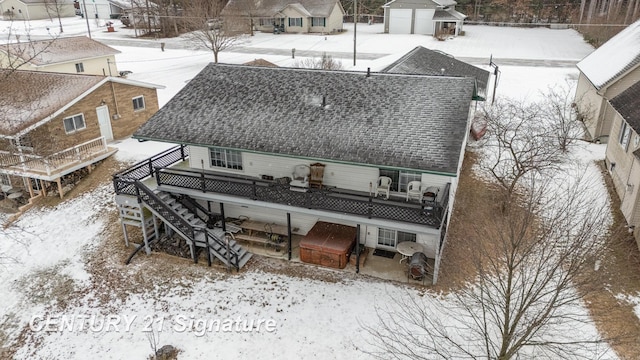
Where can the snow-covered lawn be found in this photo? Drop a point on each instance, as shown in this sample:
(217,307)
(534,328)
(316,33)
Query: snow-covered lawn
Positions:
(52,275)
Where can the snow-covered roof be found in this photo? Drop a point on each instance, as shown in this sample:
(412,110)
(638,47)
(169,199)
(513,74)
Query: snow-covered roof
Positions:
(441,3)
(614,58)
(60,50)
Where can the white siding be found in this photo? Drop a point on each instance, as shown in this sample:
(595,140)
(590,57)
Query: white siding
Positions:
(343,176)
(428,239)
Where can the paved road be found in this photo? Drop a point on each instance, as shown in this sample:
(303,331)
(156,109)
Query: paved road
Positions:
(342,55)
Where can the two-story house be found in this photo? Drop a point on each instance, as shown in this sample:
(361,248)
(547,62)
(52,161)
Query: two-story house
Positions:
(53,124)
(35,9)
(71,55)
(605,74)
(426,17)
(378,153)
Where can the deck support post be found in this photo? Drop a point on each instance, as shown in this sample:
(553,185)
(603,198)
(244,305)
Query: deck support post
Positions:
(357,248)
(43,188)
(126,235)
(289,233)
(224,223)
(59,181)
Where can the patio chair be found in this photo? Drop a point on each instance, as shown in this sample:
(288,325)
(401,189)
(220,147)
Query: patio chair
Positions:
(431,194)
(414,190)
(300,178)
(317,175)
(383,186)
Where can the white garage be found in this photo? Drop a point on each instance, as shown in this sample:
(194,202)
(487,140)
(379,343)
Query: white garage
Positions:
(400,21)
(424,22)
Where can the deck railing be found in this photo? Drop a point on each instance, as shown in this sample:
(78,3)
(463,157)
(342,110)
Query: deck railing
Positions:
(53,163)
(331,199)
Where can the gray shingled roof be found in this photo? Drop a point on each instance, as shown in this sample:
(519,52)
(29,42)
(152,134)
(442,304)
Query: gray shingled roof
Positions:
(269,8)
(30,96)
(423,61)
(404,121)
(627,104)
(60,50)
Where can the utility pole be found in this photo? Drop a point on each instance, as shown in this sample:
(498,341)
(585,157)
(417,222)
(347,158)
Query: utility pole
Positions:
(355,24)
(86,17)
(496,72)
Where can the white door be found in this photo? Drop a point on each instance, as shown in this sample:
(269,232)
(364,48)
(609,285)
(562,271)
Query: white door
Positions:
(105,122)
(424,22)
(400,21)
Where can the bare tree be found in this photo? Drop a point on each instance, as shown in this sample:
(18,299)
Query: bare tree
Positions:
(517,141)
(560,111)
(243,11)
(533,255)
(55,8)
(325,62)
(208,28)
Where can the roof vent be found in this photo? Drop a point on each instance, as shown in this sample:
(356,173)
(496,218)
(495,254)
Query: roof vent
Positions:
(442,71)
(368,72)
(324,101)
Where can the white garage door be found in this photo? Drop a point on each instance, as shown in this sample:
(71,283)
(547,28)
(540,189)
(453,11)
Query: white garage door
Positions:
(424,22)
(400,21)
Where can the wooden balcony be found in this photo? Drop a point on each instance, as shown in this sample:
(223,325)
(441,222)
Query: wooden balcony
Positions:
(326,199)
(54,166)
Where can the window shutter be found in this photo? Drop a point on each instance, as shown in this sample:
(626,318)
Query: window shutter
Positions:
(289,21)
(324,21)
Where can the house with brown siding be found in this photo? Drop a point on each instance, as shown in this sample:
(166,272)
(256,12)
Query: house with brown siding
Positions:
(71,55)
(53,124)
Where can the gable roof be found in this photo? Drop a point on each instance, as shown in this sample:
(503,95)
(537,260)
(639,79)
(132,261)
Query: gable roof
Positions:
(261,62)
(269,8)
(29,98)
(389,120)
(60,50)
(627,104)
(31,2)
(448,15)
(423,61)
(614,58)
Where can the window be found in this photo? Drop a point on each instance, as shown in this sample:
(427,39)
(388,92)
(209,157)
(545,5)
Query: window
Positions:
(79,67)
(73,123)
(225,158)
(295,21)
(267,22)
(625,135)
(400,179)
(318,21)
(391,238)
(138,103)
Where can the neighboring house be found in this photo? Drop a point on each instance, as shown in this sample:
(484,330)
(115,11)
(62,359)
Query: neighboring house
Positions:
(251,149)
(260,62)
(52,124)
(97,9)
(71,55)
(295,16)
(426,17)
(623,154)
(36,9)
(605,74)
(422,61)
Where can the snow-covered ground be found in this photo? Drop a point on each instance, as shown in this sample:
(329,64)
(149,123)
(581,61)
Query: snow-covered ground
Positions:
(310,318)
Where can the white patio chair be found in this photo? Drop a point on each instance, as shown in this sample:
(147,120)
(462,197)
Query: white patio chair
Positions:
(300,178)
(414,190)
(383,186)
